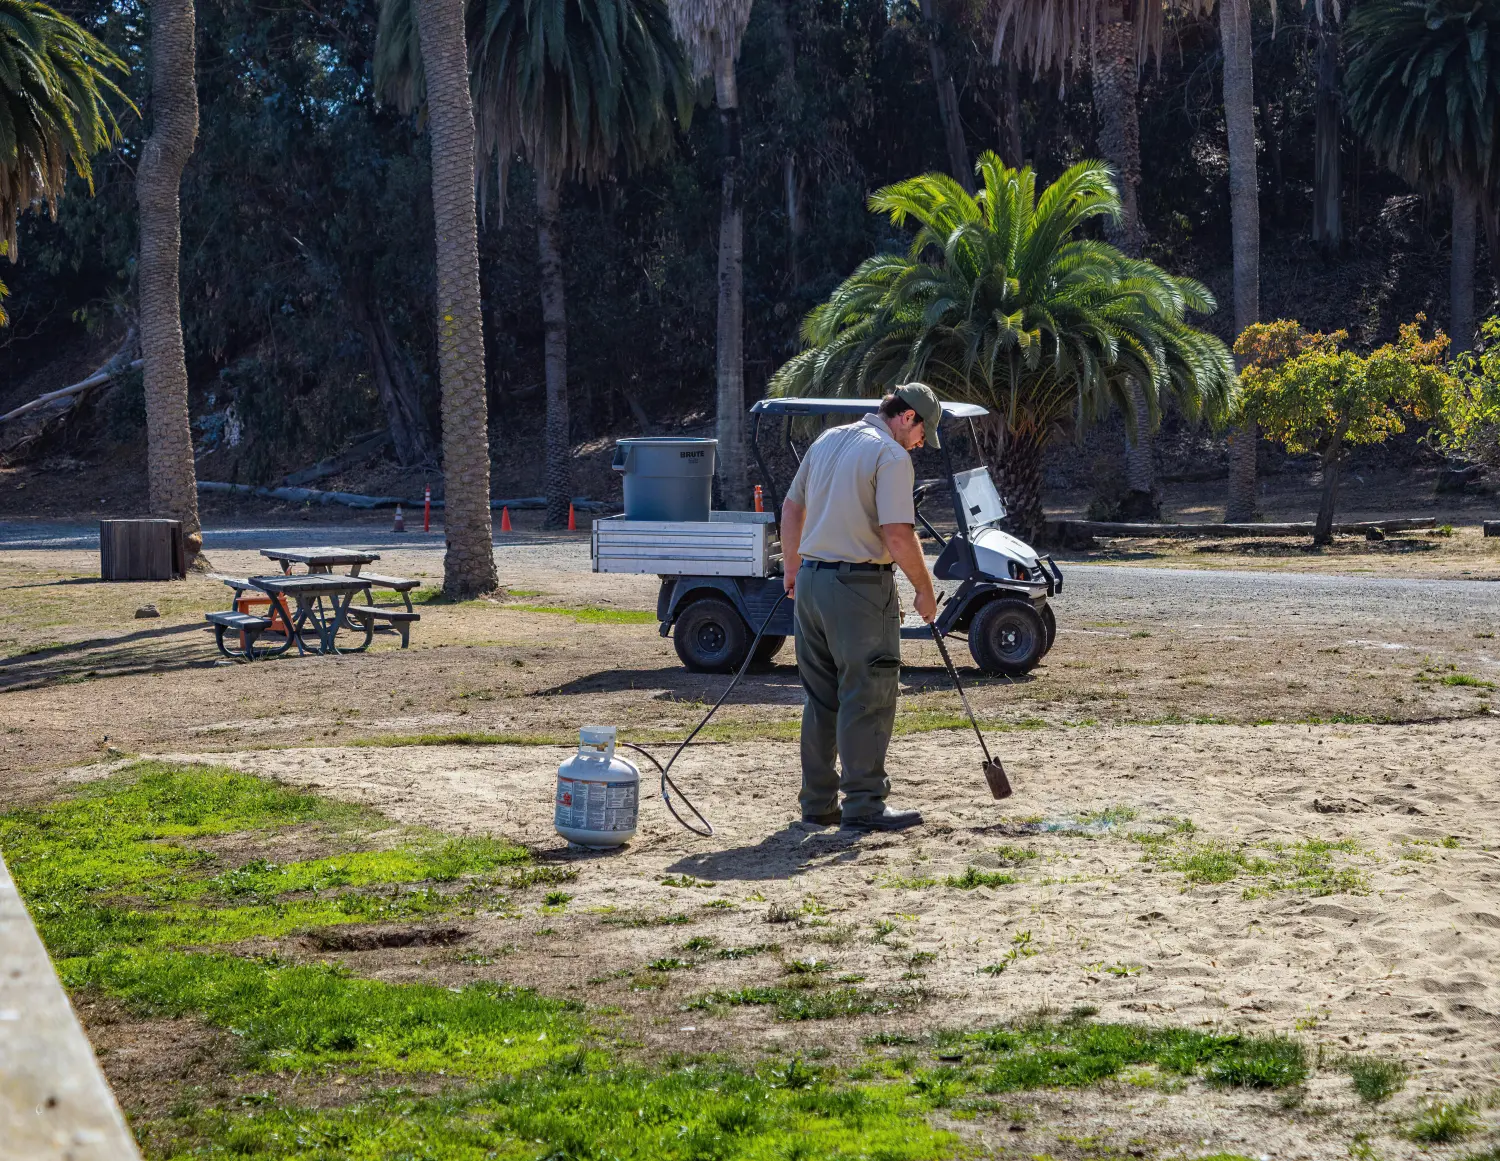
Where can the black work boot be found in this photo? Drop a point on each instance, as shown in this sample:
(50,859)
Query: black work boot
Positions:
(826,818)
(884,819)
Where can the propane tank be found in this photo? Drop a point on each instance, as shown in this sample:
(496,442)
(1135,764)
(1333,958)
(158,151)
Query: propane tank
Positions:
(597,793)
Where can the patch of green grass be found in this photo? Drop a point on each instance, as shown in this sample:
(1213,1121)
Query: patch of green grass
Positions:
(909,883)
(1074,1054)
(671,964)
(974,877)
(744,952)
(1307,866)
(1375,1078)
(1109,816)
(125,869)
(590,614)
(798,1003)
(1444,1122)
(127,862)
(290,1017)
(1465,679)
(1020,948)
(647,920)
(575,1109)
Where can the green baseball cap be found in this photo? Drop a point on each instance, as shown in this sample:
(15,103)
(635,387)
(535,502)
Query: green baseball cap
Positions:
(919,397)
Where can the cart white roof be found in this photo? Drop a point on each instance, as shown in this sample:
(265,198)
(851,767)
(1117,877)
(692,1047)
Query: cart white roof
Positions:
(853,407)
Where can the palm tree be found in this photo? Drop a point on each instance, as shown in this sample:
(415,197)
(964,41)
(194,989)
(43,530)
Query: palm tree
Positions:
(172,480)
(1244,227)
(1118,38)
(1424,91)
(711,31)
(580,87)
(442,89)
(1000,300)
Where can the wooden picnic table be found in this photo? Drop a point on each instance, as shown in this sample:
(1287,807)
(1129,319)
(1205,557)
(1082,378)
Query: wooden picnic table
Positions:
(320,560)
(310,591)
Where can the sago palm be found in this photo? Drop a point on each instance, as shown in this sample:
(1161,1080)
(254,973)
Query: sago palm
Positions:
(1001,300)
(1424,91)
(580,88)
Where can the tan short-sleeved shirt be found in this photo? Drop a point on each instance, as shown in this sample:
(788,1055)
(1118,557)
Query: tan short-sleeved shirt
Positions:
(852,480)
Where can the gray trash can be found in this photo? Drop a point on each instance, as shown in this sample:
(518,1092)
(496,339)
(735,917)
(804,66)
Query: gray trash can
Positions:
(667,477)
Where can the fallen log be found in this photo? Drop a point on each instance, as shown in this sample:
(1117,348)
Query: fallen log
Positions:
(1079,528)
(355,500)
(94,380)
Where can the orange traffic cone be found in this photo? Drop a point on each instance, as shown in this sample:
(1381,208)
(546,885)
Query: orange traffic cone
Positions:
(399,523)
(572,519)
(505,520)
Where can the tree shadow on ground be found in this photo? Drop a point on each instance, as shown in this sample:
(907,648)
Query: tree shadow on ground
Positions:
(777,856)
(107,657)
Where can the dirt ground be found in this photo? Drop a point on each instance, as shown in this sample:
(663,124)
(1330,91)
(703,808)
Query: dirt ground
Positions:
(1320,730)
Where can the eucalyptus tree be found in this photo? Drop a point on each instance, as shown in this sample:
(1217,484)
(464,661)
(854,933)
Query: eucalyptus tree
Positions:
(1001,299)
(711,31)
(441,89)
(1424,91)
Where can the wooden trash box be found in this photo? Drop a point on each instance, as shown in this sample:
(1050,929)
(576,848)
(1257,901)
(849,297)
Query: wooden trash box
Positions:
(132,550)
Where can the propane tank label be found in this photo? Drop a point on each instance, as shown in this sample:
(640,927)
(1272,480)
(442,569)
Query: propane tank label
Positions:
(602,806)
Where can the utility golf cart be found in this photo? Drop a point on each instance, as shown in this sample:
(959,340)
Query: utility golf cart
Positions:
(720,577)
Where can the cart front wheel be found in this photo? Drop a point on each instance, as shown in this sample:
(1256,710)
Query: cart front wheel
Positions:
(1049,622)
(1007,636)
(711,636)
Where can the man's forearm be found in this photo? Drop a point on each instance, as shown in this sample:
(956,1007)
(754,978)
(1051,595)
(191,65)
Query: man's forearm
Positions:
(901,542)
(792,516)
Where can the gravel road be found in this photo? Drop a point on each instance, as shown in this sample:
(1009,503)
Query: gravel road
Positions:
(1093,595)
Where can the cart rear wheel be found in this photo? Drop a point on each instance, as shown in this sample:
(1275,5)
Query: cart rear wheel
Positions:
(1049,622)
(1007,636)
(711,636)
(769,646)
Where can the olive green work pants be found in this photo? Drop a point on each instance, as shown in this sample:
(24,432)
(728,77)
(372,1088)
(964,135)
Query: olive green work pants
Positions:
(849,658)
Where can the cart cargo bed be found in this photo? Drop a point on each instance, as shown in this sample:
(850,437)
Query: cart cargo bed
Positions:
(727,544)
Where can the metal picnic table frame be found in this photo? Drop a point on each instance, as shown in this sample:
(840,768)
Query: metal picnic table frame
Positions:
(309,592)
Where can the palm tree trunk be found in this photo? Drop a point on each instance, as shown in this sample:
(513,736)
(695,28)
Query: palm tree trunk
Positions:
(733,481)
(1328,227)
(1244,215)
(1116,84)
(171,476)
(1016,457)
(1461,272)
(789,108)
(1140,453)
(469,563)
(947,98)
(555,350)
(1014,150)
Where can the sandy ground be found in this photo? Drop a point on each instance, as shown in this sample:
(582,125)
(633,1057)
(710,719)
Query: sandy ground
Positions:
(1407,964)
(1145,709)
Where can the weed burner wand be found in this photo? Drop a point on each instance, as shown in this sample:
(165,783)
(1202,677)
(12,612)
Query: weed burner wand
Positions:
(667,785)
